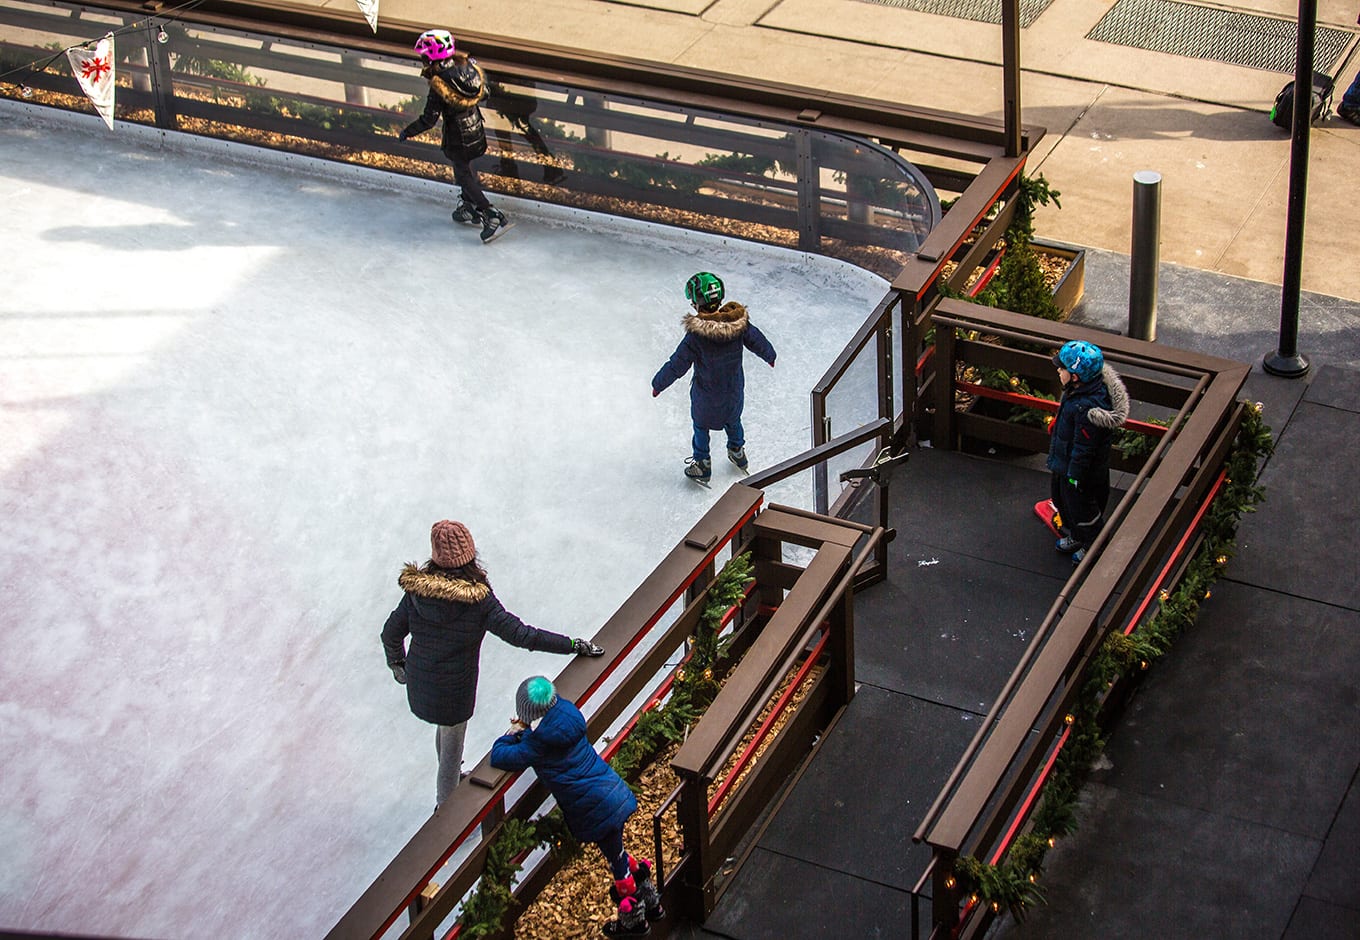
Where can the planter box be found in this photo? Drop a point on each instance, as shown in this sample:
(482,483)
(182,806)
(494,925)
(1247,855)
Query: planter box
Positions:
(1072,284)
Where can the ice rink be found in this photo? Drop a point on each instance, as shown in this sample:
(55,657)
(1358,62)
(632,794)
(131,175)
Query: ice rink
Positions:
(235,392)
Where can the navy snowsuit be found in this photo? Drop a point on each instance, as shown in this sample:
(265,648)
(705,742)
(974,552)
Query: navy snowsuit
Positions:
(1079,450)
(713,344)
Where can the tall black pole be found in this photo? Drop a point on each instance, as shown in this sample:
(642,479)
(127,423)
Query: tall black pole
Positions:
(1286,361)
(1010,67)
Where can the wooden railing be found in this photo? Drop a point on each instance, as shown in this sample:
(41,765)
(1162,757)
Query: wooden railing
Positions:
(812,628)
(1147,542)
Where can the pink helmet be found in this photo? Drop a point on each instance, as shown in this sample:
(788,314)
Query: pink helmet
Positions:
(435,45)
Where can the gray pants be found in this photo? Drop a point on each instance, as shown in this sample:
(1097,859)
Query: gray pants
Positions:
(448,744)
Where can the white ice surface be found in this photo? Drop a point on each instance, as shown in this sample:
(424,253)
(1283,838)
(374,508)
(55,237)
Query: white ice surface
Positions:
(234,395)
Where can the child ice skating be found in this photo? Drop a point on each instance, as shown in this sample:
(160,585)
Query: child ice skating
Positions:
(447,608)
(457,86)
(716,333)
(1094,403)
(548,733)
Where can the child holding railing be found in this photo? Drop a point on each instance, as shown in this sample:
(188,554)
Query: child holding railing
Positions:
(548,733)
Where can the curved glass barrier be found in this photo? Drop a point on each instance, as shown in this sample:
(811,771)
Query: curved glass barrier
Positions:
(765,181)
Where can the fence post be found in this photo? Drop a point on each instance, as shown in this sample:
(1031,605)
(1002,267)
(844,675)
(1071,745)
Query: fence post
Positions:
(945,426)
(944,893)
(809,193)
(692,814)
(162,84)
(841,645)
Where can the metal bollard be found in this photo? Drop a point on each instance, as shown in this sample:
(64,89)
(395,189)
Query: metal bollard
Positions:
(1145,254)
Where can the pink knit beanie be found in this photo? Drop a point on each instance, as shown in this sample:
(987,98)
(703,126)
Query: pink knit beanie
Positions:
(451,544)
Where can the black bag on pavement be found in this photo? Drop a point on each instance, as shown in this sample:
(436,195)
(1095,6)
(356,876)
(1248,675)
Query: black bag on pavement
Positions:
(1282,114)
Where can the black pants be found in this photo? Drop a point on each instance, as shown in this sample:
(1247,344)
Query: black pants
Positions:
(1082,508)
(465,177)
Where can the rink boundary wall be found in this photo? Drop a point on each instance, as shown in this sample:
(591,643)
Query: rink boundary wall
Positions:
(377,179)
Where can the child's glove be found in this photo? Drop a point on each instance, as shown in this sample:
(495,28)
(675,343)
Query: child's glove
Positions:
(403,135)
(399,673)
(655,392)
(1075,484)
(586,648)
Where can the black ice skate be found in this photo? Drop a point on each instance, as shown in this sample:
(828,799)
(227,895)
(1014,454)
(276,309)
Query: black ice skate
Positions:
(631,922)
(466,214)
(738,457)
(700,471)
(646,888)
(494,225)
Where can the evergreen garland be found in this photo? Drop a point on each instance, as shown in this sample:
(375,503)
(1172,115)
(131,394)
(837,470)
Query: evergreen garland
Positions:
(1012,884)
(695,686)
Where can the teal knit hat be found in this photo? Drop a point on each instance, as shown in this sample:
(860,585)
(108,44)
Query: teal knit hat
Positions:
(533,698)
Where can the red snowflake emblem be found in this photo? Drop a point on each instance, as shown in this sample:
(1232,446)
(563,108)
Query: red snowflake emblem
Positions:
(94,70)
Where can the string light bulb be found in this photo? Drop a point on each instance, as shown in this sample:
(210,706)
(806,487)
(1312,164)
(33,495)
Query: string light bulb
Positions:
(950,882)
(1052,841)
(1069,718)
(162,36)
(996,907)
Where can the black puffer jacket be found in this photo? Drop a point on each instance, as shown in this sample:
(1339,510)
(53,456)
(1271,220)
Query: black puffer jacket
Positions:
(446,618)
(456,88)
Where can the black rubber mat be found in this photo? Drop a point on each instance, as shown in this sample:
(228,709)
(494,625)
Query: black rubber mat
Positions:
(1304,539)
(1111,878)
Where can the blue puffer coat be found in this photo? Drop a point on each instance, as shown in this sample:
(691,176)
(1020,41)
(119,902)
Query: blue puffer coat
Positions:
(594,799)
(1082,431)
(713,345)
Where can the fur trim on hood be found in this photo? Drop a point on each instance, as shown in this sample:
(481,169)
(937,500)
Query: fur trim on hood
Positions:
(437,586)
(445,83)
(726,323)
(1118,412)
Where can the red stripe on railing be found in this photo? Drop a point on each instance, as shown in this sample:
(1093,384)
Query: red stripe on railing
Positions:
(1180,547)
(1023,813)
(1034,792)
(1044,404)
(769,721)
(987,274)
(925,357)
(652,621)
(665,687)
(940,267)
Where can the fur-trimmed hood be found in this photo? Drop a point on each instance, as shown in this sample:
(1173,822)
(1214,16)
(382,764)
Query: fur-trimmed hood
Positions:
(1118,412)
(462,84)
(438,586)
(726,323)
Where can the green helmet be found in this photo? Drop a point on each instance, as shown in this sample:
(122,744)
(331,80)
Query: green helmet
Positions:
(704,290)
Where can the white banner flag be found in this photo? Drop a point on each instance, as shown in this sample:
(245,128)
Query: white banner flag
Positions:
(370,9)
(93,68)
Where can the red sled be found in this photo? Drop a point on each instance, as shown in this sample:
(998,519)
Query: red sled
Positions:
(1048,515)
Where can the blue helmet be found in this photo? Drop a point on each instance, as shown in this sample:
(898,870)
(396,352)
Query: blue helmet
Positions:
(1082,359)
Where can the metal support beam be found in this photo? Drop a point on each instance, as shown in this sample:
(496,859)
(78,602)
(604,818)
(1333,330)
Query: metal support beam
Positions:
(1286,361)
(1010,60)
